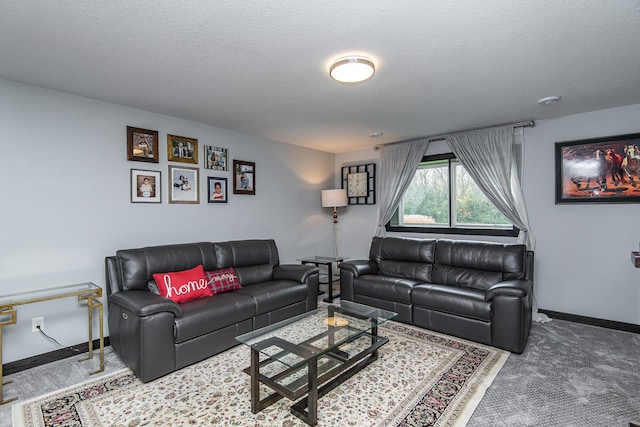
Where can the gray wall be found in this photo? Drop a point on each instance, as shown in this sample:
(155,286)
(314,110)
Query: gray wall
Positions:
(583,251)
(66,200)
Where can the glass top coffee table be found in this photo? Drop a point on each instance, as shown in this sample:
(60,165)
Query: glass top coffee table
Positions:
(312,353)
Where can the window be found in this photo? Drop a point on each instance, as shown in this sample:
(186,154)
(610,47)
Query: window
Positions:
(443,198)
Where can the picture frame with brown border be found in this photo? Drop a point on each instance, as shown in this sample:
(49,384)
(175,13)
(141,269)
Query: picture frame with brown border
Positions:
(244,177)
(182,149)
(142,145)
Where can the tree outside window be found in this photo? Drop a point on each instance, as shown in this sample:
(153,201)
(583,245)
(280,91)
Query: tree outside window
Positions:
(442,195)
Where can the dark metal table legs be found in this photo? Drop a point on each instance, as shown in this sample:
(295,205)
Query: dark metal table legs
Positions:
(330,284)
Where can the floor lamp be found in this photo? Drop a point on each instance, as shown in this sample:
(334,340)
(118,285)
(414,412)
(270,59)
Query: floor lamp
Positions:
(335,199)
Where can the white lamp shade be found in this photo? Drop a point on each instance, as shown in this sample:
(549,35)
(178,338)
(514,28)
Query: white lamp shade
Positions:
(334,198)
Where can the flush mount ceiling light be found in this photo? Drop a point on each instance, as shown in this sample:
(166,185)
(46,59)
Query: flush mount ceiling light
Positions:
(376,134)
(549,100)
(352,69)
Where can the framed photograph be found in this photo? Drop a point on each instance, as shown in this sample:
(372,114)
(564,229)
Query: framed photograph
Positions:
(183,185)
(142,145)
(244,177)
(182,149)
(216,158)
(598,170)
(217,189)
(145,186)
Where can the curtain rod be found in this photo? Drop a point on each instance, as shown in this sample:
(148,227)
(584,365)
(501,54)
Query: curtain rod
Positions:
(528,123)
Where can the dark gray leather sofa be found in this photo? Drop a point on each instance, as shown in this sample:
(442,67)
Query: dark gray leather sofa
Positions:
(474,290)
(155,336)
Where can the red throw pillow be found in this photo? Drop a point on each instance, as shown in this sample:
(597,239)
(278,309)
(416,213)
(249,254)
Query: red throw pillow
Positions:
(222,280)
(183,286)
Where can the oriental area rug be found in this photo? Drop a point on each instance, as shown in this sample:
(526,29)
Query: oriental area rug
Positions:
(421,378)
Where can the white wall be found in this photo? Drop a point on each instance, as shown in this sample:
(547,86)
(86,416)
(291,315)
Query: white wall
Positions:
(583,261)
(66,200)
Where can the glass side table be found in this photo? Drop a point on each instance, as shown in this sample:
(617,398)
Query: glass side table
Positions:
(328,261)
(89,292)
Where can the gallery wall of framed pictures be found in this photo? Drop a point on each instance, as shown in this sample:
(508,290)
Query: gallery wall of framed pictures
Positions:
(183,182)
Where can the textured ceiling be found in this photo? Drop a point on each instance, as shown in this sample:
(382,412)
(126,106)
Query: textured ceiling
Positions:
(261,67)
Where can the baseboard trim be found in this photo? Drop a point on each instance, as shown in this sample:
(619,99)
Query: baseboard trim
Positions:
(609,324)
(52,356)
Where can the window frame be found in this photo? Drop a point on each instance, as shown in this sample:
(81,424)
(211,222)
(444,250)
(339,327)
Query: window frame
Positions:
(469,231)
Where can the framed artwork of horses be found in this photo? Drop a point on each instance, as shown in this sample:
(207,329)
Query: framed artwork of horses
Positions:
(598,170)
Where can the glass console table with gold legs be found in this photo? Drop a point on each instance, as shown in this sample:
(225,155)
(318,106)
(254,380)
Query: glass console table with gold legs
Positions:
(89,292)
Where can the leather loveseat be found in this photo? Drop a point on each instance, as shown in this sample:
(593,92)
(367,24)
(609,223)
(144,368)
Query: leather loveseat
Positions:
(474,290)
(154,335)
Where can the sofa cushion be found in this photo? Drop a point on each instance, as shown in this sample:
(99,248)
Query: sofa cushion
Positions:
(137,266)
(224,280)
(449,299)
(207,315)
(255,274)
(507,259)
(384,287)
(401,249)
(409,270)
(401,257)
(241,253)
(269,296)
(253,260)
(183,286)
(465,277)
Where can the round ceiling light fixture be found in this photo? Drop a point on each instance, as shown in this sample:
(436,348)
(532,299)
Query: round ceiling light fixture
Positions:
(376,134)
(549,100)
(352,69)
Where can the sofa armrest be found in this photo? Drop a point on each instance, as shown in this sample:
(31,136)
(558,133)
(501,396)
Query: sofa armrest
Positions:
(515,288)
(144,303)
(359,267)
(298,273)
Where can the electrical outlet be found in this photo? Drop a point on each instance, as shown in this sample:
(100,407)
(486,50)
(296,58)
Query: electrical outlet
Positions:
(35,322)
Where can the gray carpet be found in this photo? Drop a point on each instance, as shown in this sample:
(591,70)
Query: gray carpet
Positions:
(569,375)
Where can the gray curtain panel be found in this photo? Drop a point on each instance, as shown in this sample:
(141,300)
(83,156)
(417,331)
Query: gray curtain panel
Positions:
(493,158)
(489,156)
(398,165)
